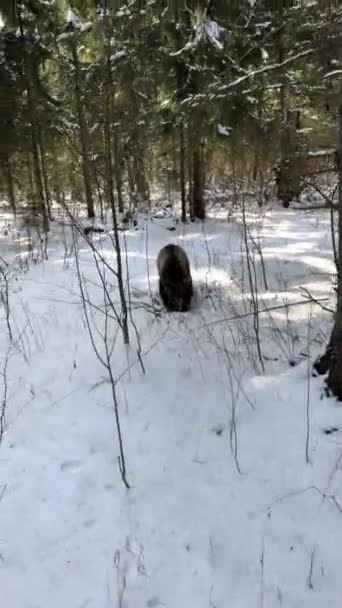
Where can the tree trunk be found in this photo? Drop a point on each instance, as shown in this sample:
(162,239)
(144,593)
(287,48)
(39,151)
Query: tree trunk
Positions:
(130,178)
(198,200)
(191,189)
(38,178)
(255,165)
(99,193)
(140,178)
(30,178)
(282,170)
(334,381)
(44,174)
(118,172)
(10,184)
(86,168)
(110,194)
(182,170)
(57,193)
(256,161)
(110,188)
(34,129)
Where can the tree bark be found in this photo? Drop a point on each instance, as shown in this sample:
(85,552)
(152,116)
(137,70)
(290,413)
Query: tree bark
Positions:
(182,170)
(34,128)
(118,172)
(57,193)
(38,178)
(99,193)
(140,178)
(110,189)
(30,177)
(191,188)
(45,175)
(86,169)
(10,184)
(334,380)
(110,194)
(198,200)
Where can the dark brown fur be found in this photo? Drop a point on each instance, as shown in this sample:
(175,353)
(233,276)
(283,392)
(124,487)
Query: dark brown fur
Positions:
(175,282)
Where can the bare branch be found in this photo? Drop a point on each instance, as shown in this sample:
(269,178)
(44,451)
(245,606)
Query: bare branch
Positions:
(311,298)
(260,311)
(4,398)
(2,493)
(312,559)
(307,442)
(265,69)
(4,294)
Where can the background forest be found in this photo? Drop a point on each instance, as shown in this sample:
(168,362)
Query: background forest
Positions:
(102,99)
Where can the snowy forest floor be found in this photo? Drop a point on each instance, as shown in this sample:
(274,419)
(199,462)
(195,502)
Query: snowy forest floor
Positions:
(224,511)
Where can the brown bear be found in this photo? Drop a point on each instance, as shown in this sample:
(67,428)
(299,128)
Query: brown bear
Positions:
(175,282)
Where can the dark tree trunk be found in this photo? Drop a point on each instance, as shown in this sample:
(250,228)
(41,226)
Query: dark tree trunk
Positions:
(130,178)
(190,176)
(110,194)
(38,178)
(288,176)
(45,175)
(86,168)
(10,184)
(334,380)
(198,200)
(99,193)
(118,172)
(57,193)
(182,170)
(182,73)
(30,177)
(331,360)
(110,190)
(34,129)
(255,166)
(140,178)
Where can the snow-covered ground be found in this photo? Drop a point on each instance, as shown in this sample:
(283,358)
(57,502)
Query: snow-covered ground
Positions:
(223,508)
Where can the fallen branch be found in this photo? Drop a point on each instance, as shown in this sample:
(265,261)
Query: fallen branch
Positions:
(316,207)
(311,298)
(260,311)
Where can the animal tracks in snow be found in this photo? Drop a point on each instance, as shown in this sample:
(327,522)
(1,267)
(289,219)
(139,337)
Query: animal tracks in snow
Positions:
(72,466)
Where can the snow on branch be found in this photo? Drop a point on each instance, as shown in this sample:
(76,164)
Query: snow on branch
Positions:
(72,18)
(265,69)
(333,73)
(76,23)
(223,130)
(211,31)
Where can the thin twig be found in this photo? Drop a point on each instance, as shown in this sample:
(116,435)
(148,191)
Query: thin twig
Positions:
(4,398)
(311,299)
(107,365)
(309,372)
(262,567)
(312,559)
(253,285)
(5,299)
(264,70)
(2,493)
(249,314)
(137,335)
